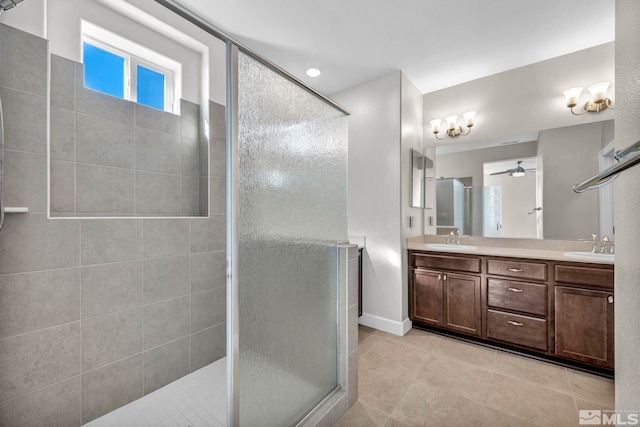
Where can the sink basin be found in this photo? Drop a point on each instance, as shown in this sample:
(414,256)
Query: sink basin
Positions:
(445,247)
(591,256)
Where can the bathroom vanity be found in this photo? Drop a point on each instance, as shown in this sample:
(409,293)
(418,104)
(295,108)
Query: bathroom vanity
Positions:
(534,301)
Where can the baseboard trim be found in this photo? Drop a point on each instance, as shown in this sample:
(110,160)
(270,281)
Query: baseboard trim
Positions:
(387,325)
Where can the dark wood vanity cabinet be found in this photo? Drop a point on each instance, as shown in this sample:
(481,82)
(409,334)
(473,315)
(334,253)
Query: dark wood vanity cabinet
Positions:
(446,297)
(584,315)
(563,310)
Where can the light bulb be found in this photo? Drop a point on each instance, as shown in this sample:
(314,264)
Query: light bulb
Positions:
(452,122)
(572,95)
(469,117)
(314,71)
(435,125)
(599,92)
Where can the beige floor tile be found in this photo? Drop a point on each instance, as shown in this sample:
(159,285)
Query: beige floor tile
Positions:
(533,371)
(493,418)
(585,405)
(422,340)
(441,374)
(421,406)
(367,339)
(397,357)
(532,403)
(592,388)
(381,387)
(469,353)
(363,415)
(392,422)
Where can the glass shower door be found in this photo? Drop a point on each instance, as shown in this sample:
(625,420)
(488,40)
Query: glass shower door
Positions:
(289,158)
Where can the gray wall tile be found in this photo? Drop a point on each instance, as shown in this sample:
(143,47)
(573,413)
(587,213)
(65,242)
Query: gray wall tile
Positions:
(24,61)
(109,288)
(208,270)
(217,121)
(54,406)
(164,237)
(112,337)
(102,189)
(38,359)
(33,301)
(111,240)
(208,234)
(63,186)
(218,158)
(32,242)
(352,288)
(25,121)
(108,388)
(166,278)
(190,157)
(99,104)
(204,196)
(218,195)
(157,193)
(157,151)
(190,114)
(165,321)
(190,196)
(203,157)
(165,364)
(62,134)
(208,345)
(208,308)
(25,180)
(63,80)
(151,118)
(103,142)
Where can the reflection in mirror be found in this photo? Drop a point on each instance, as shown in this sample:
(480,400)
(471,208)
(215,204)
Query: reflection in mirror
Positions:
(417,179)
(129,114)
(483,192)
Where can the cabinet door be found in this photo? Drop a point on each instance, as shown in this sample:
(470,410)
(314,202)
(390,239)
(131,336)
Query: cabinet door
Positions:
(427,297)
(462,303)
(584,325)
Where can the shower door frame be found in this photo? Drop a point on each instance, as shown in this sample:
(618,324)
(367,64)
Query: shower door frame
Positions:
(233,47)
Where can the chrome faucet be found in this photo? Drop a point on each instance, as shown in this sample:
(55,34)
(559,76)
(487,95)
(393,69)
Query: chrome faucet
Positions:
(594,243)
(605,247)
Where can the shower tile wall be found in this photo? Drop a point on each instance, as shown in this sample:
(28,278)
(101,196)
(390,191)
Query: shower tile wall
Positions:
(113,157)
(95,313)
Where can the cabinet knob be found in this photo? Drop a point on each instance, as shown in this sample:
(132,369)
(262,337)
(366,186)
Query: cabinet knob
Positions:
(439,276)
(610,299)
(445,277)
(514,323)
(516,290)
(515,270)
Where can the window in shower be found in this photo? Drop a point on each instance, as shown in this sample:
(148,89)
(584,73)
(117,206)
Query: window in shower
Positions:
(119,67)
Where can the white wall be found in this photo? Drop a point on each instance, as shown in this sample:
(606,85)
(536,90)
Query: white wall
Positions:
(626,207)
(29,16)
(374,196)
(411,138)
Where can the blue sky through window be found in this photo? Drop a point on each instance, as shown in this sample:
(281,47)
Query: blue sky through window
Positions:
(103,70)
(150,90)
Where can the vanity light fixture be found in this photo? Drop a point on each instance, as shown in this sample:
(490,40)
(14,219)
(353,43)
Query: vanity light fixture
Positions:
(598,102)
(453,128)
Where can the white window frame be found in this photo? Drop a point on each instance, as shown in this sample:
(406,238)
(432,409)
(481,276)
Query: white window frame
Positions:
(135,54)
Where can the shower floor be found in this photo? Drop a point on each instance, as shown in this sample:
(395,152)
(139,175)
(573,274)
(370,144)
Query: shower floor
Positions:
(196,400)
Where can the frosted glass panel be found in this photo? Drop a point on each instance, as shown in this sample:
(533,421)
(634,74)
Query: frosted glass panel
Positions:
(292,208)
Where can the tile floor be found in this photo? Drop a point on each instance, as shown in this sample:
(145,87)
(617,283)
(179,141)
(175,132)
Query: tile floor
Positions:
(424,379)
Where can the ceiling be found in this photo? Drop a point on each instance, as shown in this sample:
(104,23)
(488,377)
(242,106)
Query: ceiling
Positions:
(436,43)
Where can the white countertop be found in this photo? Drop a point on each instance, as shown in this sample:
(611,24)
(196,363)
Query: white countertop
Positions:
(503,251)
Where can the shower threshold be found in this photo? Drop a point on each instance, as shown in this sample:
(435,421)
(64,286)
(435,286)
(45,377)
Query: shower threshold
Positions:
(196,400)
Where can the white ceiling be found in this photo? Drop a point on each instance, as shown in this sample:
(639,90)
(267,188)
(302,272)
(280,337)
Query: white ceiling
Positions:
(436,43)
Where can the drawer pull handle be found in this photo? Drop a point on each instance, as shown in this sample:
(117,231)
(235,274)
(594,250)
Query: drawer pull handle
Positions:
(516,290)
(610,299)
(514,323)
(515,270)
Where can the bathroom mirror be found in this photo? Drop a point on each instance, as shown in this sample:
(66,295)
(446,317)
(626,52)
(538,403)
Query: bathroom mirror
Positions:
(522,116)
(417,179)
(129,114)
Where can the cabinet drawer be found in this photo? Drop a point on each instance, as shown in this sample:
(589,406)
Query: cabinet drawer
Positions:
(520,269)
(600,277)
(522,330)
(526,297)
(447,262)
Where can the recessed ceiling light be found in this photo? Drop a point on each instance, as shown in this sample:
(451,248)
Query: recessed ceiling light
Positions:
(314,71)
